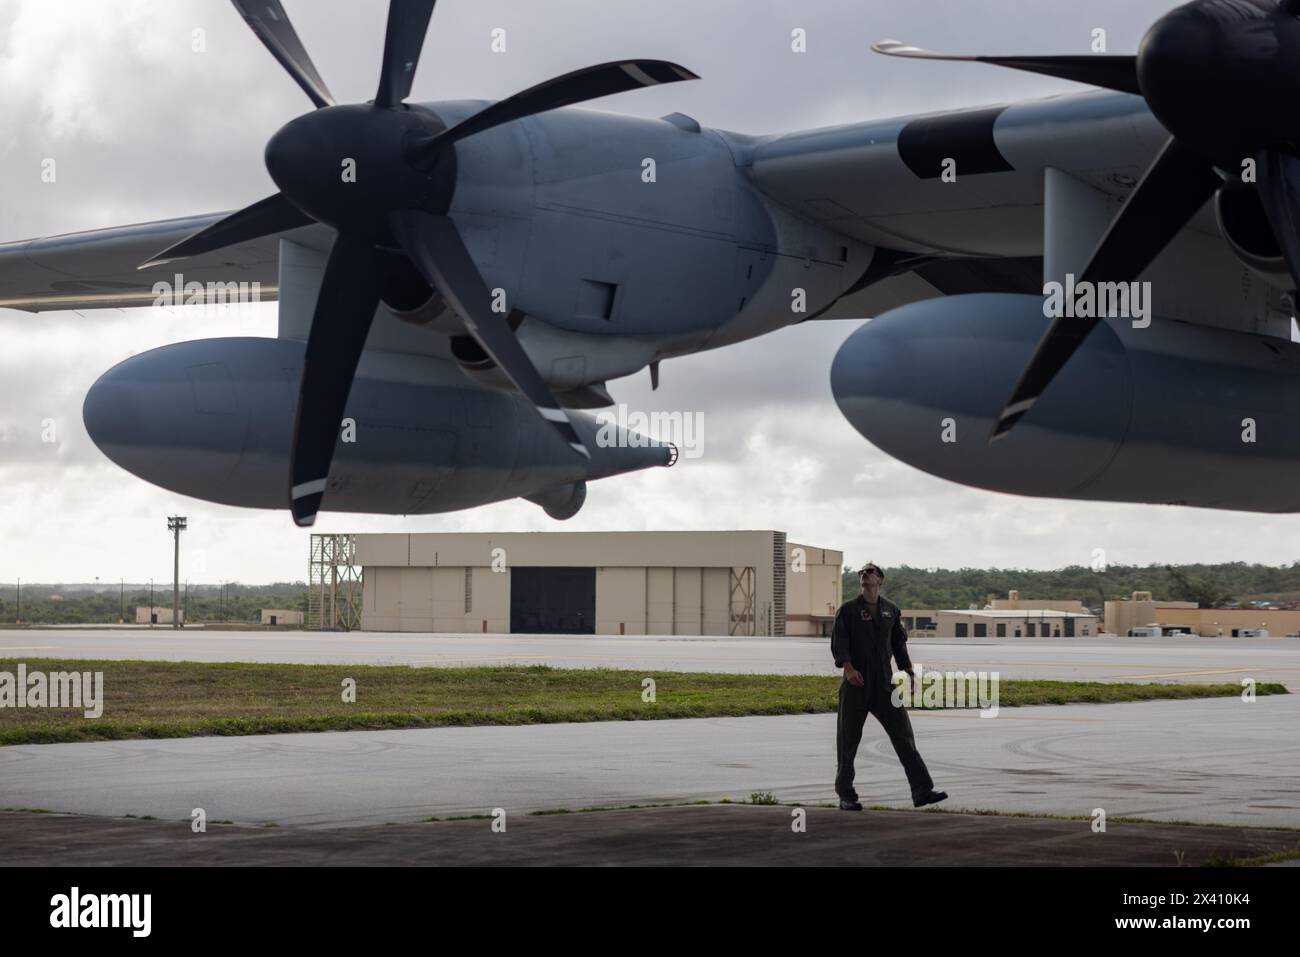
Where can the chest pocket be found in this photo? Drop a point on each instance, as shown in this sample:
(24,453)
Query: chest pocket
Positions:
(875,635)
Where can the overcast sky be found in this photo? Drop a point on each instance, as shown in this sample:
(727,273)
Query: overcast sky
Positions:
(143,128)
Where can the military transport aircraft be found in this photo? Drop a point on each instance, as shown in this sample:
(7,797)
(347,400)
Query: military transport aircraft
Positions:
(456,279)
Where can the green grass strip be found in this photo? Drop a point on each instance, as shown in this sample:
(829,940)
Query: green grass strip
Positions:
(159,699)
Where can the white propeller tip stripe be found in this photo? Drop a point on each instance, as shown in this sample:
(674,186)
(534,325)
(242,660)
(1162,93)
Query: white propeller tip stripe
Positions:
(898,48)
(580,449)
(640,75)
(1019,408)
(553,415)
(308,488)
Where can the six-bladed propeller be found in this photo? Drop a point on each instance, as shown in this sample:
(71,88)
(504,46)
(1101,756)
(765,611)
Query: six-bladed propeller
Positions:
(1223,77)
(403,164)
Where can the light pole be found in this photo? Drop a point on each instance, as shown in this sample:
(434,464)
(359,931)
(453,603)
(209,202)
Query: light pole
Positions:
(176,524)
(121,601)
(18,619)
(152,616)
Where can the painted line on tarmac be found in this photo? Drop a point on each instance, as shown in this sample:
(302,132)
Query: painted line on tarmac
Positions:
(1201,674)
(624,663)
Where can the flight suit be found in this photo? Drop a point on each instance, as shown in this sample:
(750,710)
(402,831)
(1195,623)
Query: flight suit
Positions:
(855,637)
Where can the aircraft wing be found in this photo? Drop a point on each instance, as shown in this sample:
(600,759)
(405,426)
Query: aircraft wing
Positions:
(975,200)
(98,269)
(961,183)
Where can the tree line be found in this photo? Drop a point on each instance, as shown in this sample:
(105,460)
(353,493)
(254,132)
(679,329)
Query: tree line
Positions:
(1211,586)
(82,605)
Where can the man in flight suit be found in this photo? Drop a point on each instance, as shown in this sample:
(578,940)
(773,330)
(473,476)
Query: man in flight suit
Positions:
(868,631)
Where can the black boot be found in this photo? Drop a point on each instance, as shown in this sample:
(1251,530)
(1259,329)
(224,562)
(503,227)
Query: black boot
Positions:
(930,797)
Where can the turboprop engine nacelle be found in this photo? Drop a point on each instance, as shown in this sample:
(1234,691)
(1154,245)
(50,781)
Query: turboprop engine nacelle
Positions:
(1172,413)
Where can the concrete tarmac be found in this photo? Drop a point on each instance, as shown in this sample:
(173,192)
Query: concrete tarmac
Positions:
(718,835)
(1219,761)
(1074,659)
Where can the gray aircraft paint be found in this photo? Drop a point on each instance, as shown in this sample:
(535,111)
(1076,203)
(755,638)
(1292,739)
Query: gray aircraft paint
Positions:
(1104,431)
(699,258)
(852,178)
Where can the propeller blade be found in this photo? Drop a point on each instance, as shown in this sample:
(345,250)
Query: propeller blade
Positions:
(408,23)
(345,308)
(1279,184)
(436,248)
(1111,72)
(271,24)
(576,87)
(1175,187)
(272,215)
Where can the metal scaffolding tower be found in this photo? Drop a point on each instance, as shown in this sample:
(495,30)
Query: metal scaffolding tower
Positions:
(333,584)
(742,602)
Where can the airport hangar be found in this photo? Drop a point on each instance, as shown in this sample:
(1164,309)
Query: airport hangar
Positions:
(745,583)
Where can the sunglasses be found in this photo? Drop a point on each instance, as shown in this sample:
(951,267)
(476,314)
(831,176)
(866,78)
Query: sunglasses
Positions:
(870,571)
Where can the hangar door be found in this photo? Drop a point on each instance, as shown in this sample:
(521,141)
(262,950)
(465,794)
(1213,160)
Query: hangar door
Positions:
(553,601)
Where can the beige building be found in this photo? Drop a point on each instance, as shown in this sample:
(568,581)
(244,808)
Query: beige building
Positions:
(1015,623)
(158,615)
(608,583)
(1141,612)
(1013,602)
(278,617)
(1010,617)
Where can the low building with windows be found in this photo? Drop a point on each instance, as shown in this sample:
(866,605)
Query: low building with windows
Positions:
(1016,623)
(1010,617)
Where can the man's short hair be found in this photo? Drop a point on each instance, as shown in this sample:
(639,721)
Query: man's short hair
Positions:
(872,566)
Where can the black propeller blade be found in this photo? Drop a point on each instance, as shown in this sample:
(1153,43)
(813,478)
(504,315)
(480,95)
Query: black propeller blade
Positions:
(1176,186)
(434,244)
(408,22)
(1279,185)
(272,26)
(345,310)
(275,214)
(1112,72)
(576,87)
